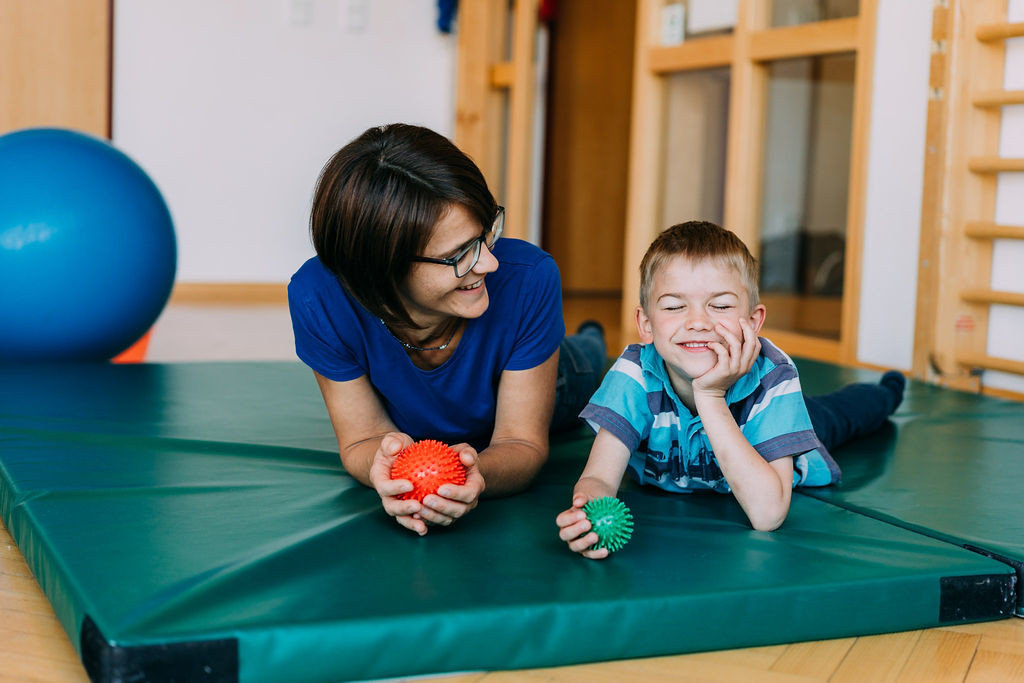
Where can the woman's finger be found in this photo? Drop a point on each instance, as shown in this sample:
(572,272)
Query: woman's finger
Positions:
(445,506)
(412,524)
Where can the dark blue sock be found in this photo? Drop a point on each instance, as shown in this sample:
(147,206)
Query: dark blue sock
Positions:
(856,410)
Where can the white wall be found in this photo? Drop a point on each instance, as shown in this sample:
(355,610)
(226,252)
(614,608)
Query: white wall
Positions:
(233,106)
(892,218)
(1006,323)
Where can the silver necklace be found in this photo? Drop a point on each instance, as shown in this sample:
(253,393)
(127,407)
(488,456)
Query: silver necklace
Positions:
(409,346)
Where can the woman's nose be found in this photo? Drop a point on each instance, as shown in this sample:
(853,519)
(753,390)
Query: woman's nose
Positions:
(487,263)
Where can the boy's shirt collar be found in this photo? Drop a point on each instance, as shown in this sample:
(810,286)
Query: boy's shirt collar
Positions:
(652,363)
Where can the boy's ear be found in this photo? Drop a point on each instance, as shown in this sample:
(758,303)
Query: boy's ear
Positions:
(757,317)
(643,326)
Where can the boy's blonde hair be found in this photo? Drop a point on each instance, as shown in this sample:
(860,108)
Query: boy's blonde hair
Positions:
(697,240)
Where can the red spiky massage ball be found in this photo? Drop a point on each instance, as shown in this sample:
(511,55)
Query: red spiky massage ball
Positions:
(428,464)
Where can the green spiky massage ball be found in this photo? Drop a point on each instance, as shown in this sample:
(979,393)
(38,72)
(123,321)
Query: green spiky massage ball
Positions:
(611,520)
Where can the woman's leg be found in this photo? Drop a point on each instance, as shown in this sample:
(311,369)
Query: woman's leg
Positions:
(581,362)
(855,410)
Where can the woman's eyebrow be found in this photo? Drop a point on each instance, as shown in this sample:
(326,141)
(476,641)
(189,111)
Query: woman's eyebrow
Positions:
(455,250)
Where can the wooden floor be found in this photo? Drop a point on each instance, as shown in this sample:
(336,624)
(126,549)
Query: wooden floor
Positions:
(34,647)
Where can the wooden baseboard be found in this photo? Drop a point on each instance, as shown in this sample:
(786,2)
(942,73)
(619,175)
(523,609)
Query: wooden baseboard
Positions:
(230,294)
(794,344)
(1002,393)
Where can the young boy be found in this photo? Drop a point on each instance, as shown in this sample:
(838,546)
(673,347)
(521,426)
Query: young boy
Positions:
(704,403)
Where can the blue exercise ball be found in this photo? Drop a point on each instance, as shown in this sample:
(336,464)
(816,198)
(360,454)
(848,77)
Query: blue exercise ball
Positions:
(87,248)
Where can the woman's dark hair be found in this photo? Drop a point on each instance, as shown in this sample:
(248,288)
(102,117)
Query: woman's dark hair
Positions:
(376,204)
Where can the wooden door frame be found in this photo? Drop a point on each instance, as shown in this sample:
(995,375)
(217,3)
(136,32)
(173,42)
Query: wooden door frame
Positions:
(746,51)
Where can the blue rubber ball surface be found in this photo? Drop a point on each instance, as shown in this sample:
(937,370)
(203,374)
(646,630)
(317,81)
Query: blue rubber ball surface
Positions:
(87,248)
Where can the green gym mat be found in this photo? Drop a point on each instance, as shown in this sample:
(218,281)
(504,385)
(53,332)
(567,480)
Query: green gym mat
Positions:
(192,522)
(954,473)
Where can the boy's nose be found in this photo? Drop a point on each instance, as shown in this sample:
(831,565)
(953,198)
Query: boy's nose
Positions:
(698,320)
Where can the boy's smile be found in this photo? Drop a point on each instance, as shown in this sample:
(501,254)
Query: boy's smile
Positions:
(691,303)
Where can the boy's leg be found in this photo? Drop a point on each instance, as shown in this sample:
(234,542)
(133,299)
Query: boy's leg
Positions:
(855,410)
(581,362)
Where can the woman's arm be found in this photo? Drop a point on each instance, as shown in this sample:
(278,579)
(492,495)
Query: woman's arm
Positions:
(519,445)
(359,421)
(368,442)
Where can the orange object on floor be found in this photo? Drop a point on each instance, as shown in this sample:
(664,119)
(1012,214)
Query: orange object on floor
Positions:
(136,353)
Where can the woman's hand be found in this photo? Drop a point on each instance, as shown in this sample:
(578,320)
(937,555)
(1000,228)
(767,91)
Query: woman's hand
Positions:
(452,501)
(736,357)
(405,512)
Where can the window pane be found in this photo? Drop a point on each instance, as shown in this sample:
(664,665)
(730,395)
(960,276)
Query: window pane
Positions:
(791,12)
(804,192)
(693,162)
(682,19)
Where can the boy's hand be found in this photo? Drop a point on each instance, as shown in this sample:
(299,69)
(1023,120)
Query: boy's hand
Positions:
(574,527)
(735,358)
(451,501)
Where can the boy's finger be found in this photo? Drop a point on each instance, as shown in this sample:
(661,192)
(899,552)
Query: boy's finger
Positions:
(570,516)
(721,352)
(583,543)
(751,345)
(735,343)
(574,532)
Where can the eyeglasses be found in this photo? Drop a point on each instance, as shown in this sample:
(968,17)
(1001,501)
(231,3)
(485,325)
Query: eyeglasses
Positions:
(466,260)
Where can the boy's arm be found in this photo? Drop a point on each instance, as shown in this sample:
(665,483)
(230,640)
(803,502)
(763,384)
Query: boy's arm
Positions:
(763,489)
(601,477)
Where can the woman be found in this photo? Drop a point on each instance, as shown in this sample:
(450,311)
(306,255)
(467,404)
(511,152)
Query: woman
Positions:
(418,322)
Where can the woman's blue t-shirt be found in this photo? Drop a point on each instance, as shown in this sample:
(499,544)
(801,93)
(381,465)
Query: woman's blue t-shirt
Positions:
(455,402)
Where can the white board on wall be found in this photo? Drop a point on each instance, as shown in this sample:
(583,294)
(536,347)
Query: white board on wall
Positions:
(234,106)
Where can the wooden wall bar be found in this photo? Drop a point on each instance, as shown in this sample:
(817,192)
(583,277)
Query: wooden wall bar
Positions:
(802,40)
(644,187)
(55,64)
